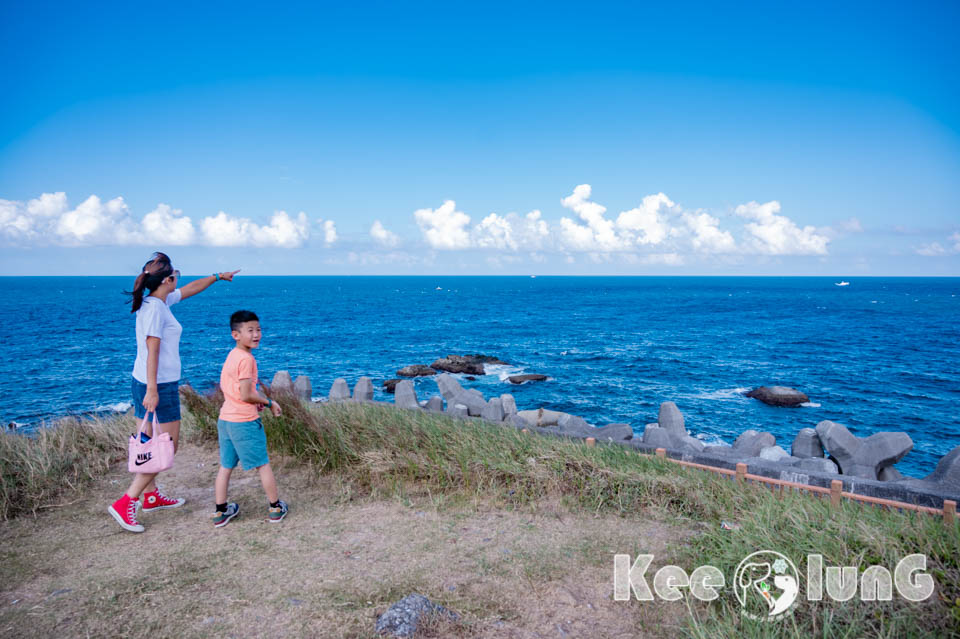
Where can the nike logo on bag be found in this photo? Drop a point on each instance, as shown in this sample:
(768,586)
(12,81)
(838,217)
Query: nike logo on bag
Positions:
(143,459)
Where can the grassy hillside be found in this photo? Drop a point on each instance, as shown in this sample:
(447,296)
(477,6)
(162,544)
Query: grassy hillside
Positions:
(378,452)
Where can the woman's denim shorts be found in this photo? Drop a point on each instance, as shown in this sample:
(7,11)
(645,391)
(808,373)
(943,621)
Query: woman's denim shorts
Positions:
(168,408)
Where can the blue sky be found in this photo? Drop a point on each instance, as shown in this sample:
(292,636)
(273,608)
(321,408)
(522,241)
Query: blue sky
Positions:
(485,139)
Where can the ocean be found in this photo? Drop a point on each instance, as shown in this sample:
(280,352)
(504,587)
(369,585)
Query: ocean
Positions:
(881,354)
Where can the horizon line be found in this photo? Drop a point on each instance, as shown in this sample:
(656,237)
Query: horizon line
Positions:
(529,276)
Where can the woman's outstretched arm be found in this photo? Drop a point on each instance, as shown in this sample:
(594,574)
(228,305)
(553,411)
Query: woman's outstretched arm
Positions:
(197,286)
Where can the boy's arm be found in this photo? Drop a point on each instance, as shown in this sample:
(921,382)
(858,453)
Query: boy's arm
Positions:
(250,395)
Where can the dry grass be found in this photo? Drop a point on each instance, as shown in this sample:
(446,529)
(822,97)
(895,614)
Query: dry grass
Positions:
(328,570)
(43,470)
(516,532)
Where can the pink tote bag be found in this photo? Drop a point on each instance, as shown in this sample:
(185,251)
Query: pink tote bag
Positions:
(155,455)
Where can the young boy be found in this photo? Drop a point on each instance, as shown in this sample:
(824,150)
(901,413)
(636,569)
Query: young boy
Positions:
(239,429)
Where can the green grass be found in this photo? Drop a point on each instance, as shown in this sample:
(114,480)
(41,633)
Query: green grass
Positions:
(378,451)
(384,451)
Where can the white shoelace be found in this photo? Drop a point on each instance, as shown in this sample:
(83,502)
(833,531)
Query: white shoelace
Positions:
(132,512)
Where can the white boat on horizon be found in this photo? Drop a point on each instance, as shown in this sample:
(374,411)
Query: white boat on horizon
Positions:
(841,283)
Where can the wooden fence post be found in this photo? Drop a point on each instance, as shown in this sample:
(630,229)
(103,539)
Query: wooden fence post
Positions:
(741,472)
(662,453)
(949,511)
(590,441)
(836,487)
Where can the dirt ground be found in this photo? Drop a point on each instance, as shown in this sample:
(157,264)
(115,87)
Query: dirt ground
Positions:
(328,570)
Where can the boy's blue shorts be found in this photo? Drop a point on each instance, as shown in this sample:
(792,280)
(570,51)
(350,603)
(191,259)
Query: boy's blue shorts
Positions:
(168,408)
(245,442)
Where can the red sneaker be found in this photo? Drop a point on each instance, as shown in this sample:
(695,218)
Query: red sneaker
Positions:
(124,510)
(157,500)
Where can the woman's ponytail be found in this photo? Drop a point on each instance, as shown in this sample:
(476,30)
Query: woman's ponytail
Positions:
(150,277)
(137,293)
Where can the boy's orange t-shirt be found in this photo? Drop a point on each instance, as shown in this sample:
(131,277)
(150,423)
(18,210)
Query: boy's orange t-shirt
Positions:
(239,365)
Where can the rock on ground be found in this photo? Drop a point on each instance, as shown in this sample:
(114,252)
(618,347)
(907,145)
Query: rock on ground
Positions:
(435,404)
(405,396)
(517,421)
(778,396)
(574,426)
(773,453)
(459,364)
(862,457)
(449,387)
(532,377)
(403,617)
(751,442)
(541,416)
(807,444)
(614,432)
(493,411)
(363,391)
(889,473)
(473,400)
(948,469)
(390,385)
(818,465)
(509,404)
(339,390)
(945,476)
(302,388)
(671,419)
(658,437)
(281,383)
(670,431)
(416,370)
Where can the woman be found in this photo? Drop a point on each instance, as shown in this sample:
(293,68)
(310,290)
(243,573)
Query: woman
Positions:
(156,372)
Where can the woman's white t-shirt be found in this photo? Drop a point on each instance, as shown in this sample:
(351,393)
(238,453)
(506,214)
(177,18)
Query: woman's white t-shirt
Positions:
(154,319)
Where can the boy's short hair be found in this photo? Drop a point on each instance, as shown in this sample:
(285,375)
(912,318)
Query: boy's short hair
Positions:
(241,317)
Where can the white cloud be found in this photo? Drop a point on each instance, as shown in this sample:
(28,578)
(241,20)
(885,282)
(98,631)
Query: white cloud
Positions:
(935,249)
(494,232)
(329,231)
(48,220)
(370,258)
(646,220)
(576,237)
(382,236)
(657,223)
(932,250)
(16,224)
(667,259)
(706,234)
(96,222)
(282,232)
(534,232)
(168,225)
(444,228)
(48,205)
(598,235)
(851,226)
(773,234)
